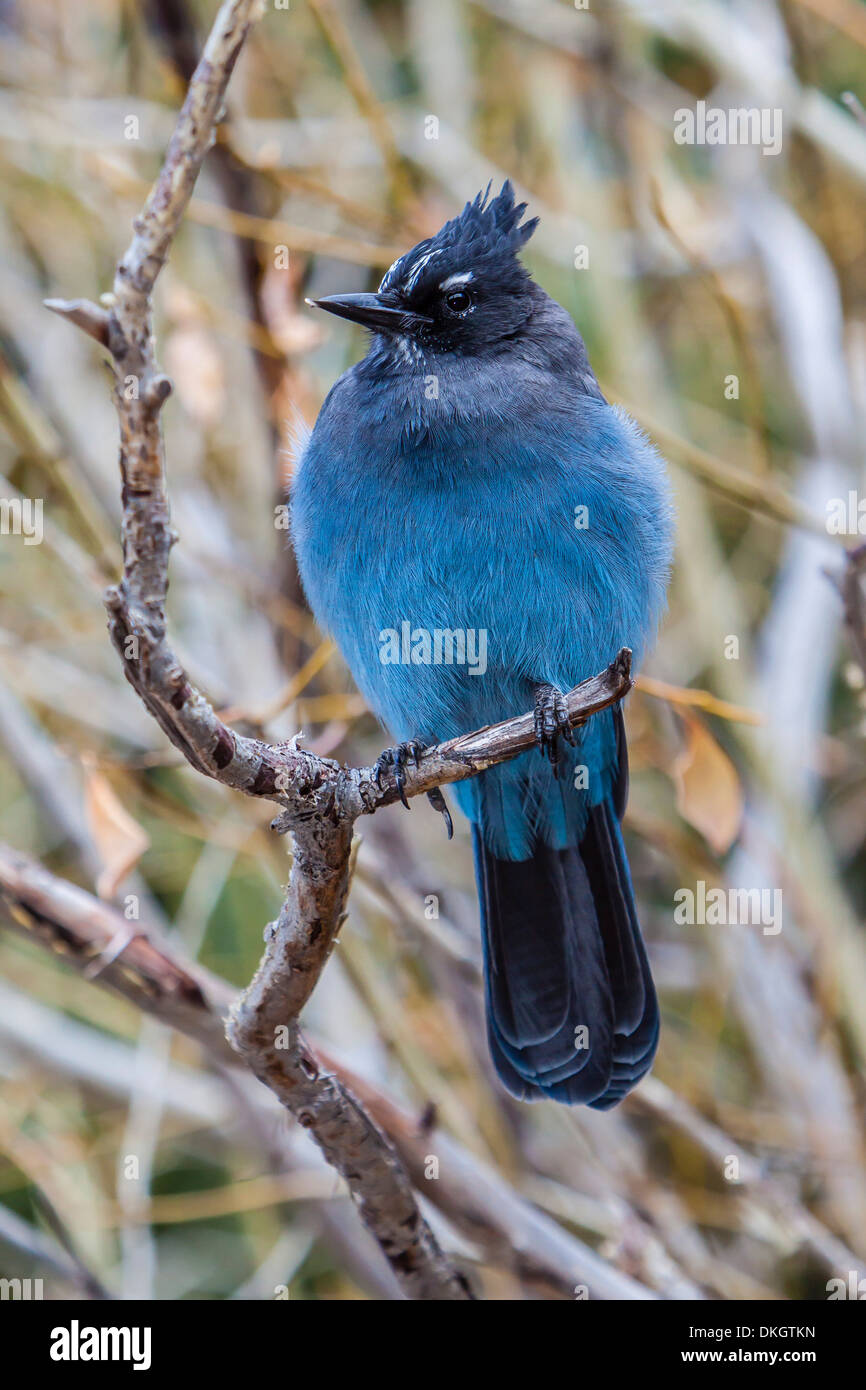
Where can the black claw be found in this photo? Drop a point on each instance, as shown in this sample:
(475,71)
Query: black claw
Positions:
(400,780)
(438,802)
(397,758)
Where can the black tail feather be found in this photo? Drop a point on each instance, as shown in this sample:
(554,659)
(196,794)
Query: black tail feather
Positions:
(564,954)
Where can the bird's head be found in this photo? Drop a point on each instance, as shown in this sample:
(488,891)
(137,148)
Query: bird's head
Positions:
(463,290)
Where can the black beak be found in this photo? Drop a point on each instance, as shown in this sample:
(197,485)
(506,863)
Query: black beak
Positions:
(369,310)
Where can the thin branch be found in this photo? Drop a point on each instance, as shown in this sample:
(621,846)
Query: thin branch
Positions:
(77,927)
(270,231)
(797,1225)
(479,1201)
(264,1029)
(58,1256)
(800,1227)
(92,318)
(339,40)
(850,587)
(320,800)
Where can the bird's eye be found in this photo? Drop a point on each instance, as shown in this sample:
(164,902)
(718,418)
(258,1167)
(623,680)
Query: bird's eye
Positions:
(458,301)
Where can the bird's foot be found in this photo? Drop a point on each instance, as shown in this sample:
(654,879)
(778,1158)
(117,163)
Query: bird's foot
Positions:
(397,758)
(551,722)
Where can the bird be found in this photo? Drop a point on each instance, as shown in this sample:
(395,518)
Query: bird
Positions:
(479,529)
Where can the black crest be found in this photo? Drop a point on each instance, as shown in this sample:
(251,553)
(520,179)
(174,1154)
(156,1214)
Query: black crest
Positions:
(487,231)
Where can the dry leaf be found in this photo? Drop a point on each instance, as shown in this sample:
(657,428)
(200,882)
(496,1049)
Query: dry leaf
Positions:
(120,840)
(709,794)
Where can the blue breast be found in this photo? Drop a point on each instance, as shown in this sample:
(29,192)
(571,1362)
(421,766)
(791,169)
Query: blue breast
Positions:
(541,535)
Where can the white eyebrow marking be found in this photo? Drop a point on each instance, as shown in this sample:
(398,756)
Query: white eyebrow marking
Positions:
(389,274)
(422,261)
(460,279)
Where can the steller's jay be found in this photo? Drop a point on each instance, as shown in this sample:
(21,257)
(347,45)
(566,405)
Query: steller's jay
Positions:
(480,530)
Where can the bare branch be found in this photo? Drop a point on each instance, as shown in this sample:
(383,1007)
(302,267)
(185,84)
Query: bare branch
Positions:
(78,928)
(850,586)
(64,1262)
(264,1029)
(92,318)
(799,1225)
(471,753)
(320,800)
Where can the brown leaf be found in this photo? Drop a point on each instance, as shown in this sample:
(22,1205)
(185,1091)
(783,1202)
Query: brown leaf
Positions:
(709,794)
(120,840)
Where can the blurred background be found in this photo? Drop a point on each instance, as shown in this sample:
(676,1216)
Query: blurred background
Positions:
(720,289)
